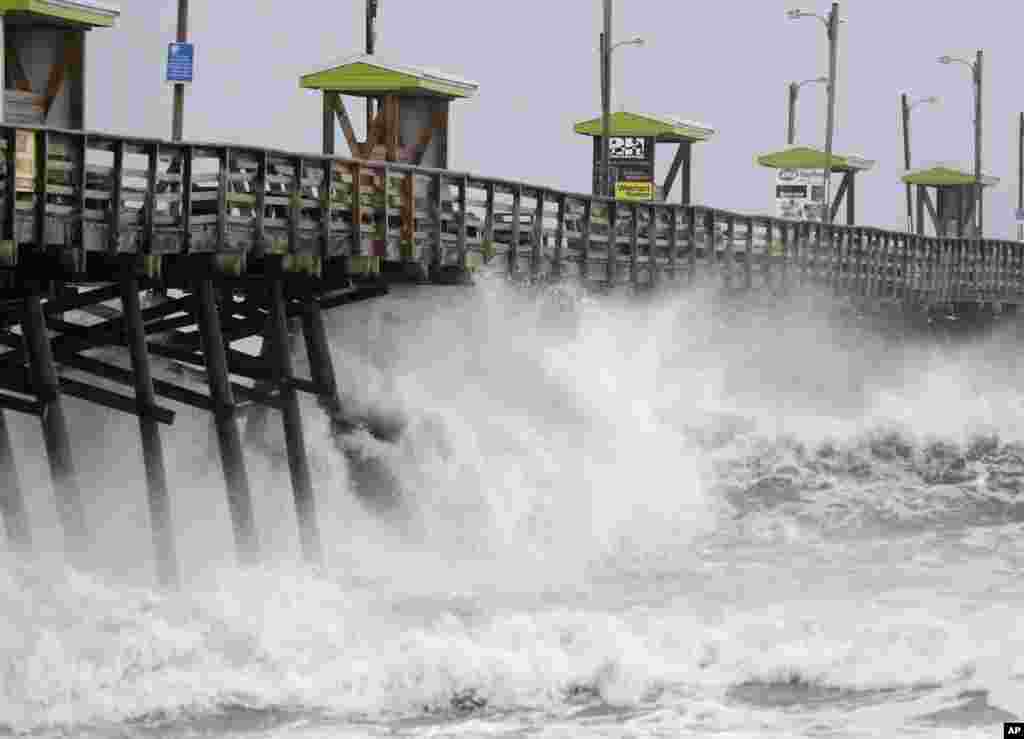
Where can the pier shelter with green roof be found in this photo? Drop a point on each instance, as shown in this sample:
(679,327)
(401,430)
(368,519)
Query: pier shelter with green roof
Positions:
(952,212)
(411,122)
(44,59)
(807,158)
(631,146)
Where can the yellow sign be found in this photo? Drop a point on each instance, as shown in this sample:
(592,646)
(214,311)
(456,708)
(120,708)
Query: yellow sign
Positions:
(634,191)
(25,161)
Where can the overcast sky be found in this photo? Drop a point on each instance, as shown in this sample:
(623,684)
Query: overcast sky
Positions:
(722,63)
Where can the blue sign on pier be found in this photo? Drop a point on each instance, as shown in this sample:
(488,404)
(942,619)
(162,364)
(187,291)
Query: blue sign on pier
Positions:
(179,62)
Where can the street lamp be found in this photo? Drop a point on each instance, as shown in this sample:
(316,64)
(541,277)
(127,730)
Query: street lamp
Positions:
(372,6)
(607,47)
(976,68)
(637,41)
(907,106)
(794,90)
(831,24)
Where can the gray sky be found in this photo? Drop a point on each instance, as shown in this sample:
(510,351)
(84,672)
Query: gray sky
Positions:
(726,64)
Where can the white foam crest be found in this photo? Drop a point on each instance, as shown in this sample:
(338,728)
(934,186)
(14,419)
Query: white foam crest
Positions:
(82,652)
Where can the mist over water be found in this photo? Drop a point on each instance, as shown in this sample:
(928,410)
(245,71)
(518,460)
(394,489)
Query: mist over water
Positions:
(607,516)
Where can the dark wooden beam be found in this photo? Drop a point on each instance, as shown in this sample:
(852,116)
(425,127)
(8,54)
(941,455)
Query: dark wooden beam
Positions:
(851,199)
(12,501)
(229,440)
(158,497)
(47,387)
(328,123)
(21,405)
(919,221)
(687,183)
(124,376)
(834,205)
(110,399)
(677,162)
(438,123)
(927,200)
(298,462)
(351,297)
(346,126)
(443,131)
(393,124)
(968,218)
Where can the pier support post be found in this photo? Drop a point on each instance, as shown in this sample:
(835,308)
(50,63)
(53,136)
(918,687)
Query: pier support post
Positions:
(19,538)
(298,462)
(55,430)
(256,415)
(228,438)
(166,558)
(320,365)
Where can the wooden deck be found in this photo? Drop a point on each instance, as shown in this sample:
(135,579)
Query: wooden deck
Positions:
(88,196)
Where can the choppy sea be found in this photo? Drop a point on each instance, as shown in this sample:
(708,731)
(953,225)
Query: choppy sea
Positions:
(605,518)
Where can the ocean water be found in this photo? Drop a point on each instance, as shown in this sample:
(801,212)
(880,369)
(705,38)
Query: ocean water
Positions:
(606,517)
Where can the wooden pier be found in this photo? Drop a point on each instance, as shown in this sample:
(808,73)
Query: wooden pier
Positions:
(245,241)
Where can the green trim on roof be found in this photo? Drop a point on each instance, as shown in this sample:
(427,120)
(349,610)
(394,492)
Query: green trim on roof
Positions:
(944,177)
(82,15)
(804,157)
(636,124)
(361,78)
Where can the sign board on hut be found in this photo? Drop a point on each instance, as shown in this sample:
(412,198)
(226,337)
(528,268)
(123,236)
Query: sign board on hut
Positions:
(800,194)
(25,161)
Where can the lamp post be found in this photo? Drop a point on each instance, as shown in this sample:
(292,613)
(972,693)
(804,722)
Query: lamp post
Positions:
(607,47)
(976,71)
(178,119)
(794,91)
(906,106)
(831,24)
(371,46)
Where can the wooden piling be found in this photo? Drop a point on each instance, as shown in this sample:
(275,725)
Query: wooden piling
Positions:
(256,414)
(166,558)
(46,385)
(16,525)
(224,411)
(298,462)
(321,366)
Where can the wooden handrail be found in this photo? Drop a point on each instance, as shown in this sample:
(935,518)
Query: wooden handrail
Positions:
(244,198)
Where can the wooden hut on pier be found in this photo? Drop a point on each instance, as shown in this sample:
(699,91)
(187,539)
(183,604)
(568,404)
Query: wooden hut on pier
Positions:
(44,59)
(806,158)
(952,212)
(407,122)
(631,153)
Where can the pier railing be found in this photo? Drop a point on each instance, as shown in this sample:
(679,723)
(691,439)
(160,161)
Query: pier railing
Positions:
(80,193)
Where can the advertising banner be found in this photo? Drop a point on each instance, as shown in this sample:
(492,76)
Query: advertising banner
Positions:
(630,148)
(25,161)
(634,190)
(800,194)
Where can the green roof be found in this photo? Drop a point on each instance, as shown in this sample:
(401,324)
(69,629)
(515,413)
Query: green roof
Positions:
(367,75)
(804,157)
(81,12)
(942,175)
(663,128)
